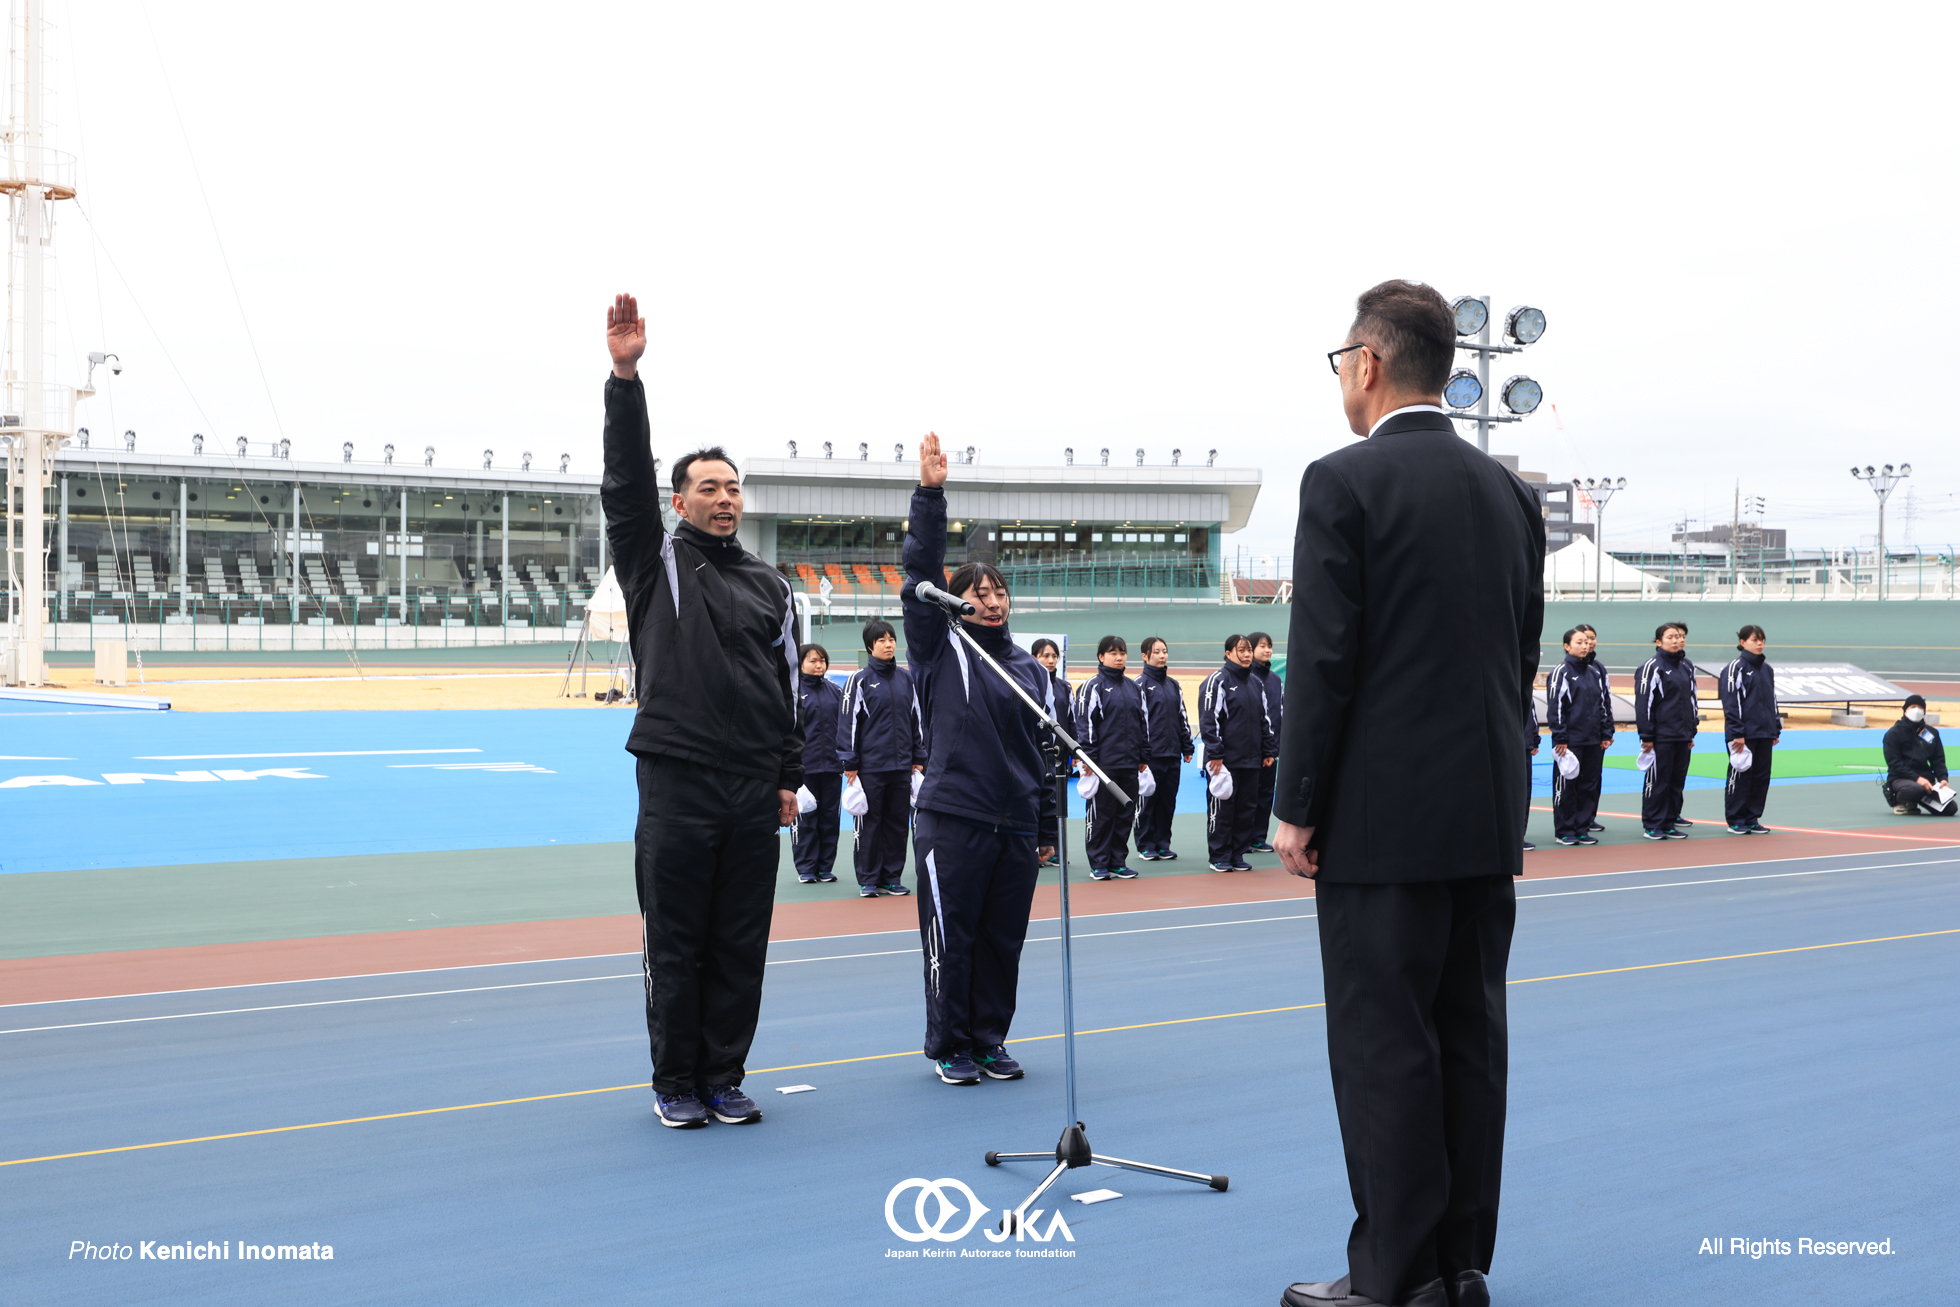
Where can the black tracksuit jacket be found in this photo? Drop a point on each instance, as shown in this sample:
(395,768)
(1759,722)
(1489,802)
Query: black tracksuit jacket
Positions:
(1232,718)
(1275,687)
(879,725)
(1913,750)
(1748,689)
(1167,722)
(1578,702)
(1664,704)
(1109,711)
(818,701)
(712,626)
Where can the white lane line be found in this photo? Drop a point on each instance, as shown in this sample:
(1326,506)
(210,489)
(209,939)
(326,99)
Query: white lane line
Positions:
(339,753)
(30,757)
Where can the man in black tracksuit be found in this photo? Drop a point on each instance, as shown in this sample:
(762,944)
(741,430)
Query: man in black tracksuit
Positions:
(1749,720)
(882,742)
(987,793)
(1667,715)
(1915,762)
(1238,737)
(1167,732)
(719,746)
(818,700)
(1109,717)
(1579,711)
(1275,687)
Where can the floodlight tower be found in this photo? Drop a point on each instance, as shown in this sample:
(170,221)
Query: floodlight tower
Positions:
(1520,395)
(1883,482)
(35,178)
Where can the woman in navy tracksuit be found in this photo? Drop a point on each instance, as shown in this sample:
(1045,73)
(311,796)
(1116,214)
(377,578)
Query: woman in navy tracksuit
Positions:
(881,741)
(1667,715)
(1579,711)
(1167,728)
(987,794)
(1109,710)
(818,700)
(1275,687)
(1238,737)
(1749,720)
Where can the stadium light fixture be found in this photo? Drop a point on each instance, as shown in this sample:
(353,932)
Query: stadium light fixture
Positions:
(1883,482)
(1523,325)
(826,449)
(487,456)
(428,456)
(1599,491)
(792,449)
(526,461)
(1472,315)
(129,440)
(197,443)
(1211,458)
(346,448)
(1521,395)
(1462,389)
(971,452)
(898,453)
(1139,458)
(1105,456)
(864,451)
(1175,455)
(387,452)
(285,448)
(1068,456)
(81,437)
(564,463)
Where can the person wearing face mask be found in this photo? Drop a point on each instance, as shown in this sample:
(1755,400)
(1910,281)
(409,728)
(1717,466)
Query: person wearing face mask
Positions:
(1049,655)
(1579,711)
(818,703)
(988,795)
(1749,721)
(1915,763)
(1667,715)
(1275,687)
(881,740)
(1238,738)
(1110,713)
(1167,725)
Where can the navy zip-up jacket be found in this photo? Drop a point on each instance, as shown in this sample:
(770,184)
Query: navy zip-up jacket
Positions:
(1275,687)
(1232,718)
(1064,702)
(1166,721)
(879,725)
(1109,710)
(1914,749)
(1579,702)
(819,699)
(1748,688)
(1664,703)
(985,763)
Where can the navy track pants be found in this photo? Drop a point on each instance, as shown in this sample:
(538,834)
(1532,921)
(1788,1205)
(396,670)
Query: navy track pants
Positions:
(976,889)
(816,831)
(878,853)
(1154,813)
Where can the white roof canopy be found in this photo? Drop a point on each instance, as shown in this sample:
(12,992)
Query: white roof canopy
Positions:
(1577,568)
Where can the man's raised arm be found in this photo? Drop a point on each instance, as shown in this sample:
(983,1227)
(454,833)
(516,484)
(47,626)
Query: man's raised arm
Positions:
(630,489)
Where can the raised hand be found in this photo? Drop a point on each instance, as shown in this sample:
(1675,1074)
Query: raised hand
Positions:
(932,463)
(626,336)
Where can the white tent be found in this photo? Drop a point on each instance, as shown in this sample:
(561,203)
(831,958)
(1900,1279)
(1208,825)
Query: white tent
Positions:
(1572,572)
(605,611)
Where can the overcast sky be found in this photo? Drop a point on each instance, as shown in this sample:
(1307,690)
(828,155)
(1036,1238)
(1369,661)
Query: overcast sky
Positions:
(1026,226)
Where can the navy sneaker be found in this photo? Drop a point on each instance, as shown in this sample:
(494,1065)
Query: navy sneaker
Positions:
(1595,826)
(1221,866)
(1672,833)
(1529,847)
(957,1070)
(997,1065)
(864,893)
(827,878)
(1738,830)
(1261,847)
(1123,873)
(1569,841)
(1757,828)
(1099,873)
(1585,839)
(1653,834)
(808,880)
(1165,855)
(1240,864)
(681,1111)
(1682,821)
(1147,855)
(895,891)
(728,1103)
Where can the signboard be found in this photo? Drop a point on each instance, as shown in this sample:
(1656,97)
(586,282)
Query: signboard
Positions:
(1830,683)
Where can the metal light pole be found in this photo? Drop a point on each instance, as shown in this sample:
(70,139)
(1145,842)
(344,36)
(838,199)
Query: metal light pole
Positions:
(1882,481)
(1599,492)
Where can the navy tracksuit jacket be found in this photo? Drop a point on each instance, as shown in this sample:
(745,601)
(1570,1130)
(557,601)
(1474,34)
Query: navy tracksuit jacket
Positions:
(987,792)
(815,845)
(1667,714)
(1748,689)
(1232,719)
(1167,731)
(1275,686)
(880,736)
(1579,711)
(1109,713)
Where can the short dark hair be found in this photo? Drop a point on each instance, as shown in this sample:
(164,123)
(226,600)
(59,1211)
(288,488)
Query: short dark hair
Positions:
(1111,644)
(969,575)
(1232,642)
(1150,642)
(1584,626)
(1258,638)
(805,650)
(713,453)
(1410,326)
(1751,632)
(1665,627)
(875,630)
(1044,643)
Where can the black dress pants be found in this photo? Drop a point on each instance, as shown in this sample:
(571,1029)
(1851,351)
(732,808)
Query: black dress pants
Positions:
(816,831)
(1749,790)
(1575,803)
(704,853)
(1417,1045)
(1107,820)
(1660,799)
(879,850)
(1154,813)
(1232,825)
(976,889)
(1268,783)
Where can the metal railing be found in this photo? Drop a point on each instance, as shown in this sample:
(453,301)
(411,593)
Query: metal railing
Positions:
(1912,573)
(1036,588)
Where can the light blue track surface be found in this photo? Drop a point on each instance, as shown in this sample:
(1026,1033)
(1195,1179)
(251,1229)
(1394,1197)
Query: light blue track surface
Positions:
(1803,1094)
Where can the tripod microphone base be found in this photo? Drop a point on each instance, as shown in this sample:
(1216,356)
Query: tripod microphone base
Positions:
(1073,1151)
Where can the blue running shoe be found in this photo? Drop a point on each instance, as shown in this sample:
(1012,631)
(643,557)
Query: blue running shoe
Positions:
(1165,855)
(996,1064)
(1147,855)
(1529,847)
(680,1111)
(894,891)
(957,1070)
(1674,833)
(1653,834)
(808,880)
(1221,866)
(730,1104)
(1759,829)
(1738,830)
(1586,839)
(827,878)
(1123,873)
(1261,847)
(1240,864)
(1097,873)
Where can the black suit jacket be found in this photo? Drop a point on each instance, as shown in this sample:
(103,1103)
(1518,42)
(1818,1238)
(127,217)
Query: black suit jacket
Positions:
(1418,594)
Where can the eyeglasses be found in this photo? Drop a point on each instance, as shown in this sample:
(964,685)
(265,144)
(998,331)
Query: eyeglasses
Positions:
(1334,356)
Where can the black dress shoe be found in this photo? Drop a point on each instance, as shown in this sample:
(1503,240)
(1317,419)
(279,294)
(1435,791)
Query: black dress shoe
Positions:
(1471,1291)
(1337,1293)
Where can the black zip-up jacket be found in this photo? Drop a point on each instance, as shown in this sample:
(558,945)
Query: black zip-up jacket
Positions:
(712,626)
(1064,702)
(1110,712)
(1578,702)
(818,701)
(1664,704)
(985,763)
(1913,750)
(1748,689)
(1232,718)
(1275,687)
(879,725)
(1167,722)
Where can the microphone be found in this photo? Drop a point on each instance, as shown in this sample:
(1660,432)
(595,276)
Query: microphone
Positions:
(932,594)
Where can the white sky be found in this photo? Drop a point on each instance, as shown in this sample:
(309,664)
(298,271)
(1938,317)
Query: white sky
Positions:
(1026,226)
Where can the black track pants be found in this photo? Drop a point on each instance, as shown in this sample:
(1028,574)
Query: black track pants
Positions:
(705,854)
(1154,814)
(1660,800)
(1749,790)
(1268,780)
(1106,821)
(1575,803)
(879,850)
(1232,825)
(976,889)
(816,831)
(1417,1046)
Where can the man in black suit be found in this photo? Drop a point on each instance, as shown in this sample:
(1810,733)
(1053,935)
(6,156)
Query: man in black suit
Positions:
(1406,533)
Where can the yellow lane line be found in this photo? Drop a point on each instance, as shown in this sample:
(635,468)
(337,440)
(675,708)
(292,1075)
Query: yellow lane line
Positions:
(880,1057)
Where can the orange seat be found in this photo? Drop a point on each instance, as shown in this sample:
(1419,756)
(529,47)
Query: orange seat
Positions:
(892,575)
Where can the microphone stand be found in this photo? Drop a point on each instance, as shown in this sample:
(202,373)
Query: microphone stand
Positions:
(1072,1151)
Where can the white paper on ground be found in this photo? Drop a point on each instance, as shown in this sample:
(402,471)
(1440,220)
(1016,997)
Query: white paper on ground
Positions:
(1096,1196)
(796,1089)
(1943,793)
